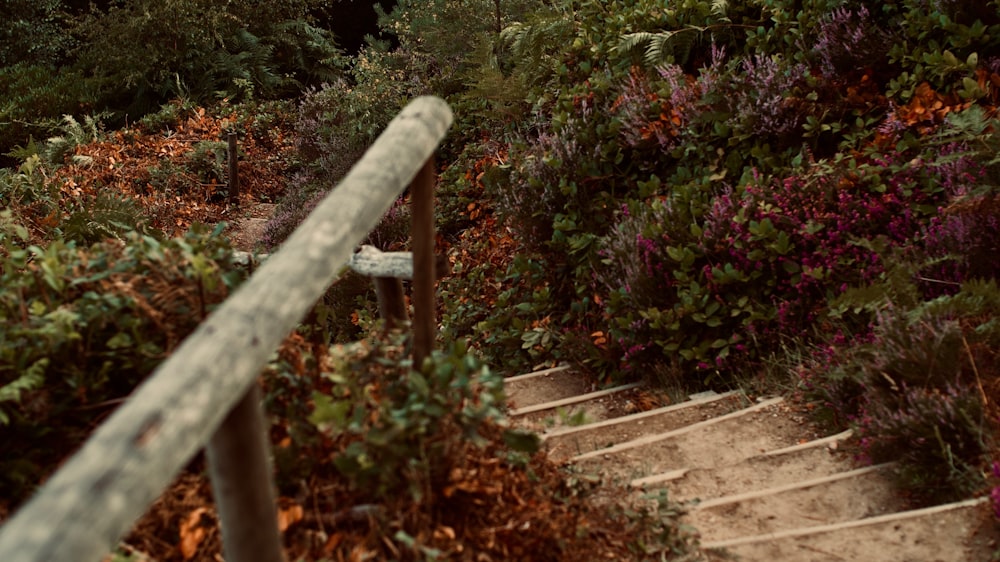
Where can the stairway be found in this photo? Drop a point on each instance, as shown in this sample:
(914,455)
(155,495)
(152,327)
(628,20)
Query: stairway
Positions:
(757,481)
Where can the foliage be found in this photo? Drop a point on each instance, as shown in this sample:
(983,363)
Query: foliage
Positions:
(34,97)
(33,32)
(407,426)
(916,389)
(86,184)
(617,156)
(82,326)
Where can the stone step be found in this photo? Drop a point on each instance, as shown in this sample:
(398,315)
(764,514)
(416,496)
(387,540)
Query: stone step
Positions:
(813,459)
(545,386)
(578,410)
(741,434)
(909,536)
(565,442)
(846,496)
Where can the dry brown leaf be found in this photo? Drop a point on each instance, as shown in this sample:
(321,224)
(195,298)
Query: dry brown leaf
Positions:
(192,532)
(289,516)
(444,532)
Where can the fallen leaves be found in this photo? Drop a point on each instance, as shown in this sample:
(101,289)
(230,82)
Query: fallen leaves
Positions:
(155,169)
(193,530)
(289,515)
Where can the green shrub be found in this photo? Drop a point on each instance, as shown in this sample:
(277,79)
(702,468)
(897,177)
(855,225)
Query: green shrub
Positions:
(35,32)
(917,387)
(35,97)
(81,327)
(209,50)
(405,428)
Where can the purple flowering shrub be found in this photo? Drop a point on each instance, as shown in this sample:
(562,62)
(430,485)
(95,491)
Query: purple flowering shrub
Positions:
(655,111)
(962,243)
(300,199)
(762,101)
(847,41)
(936,436)
(759,260)
(752,99)
(917,390)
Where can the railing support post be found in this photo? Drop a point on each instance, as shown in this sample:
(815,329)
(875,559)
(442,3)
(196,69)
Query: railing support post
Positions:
(234,175)
(391,302)
(240,468)
(424,313)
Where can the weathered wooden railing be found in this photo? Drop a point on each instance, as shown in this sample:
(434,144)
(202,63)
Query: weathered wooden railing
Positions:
(206,393)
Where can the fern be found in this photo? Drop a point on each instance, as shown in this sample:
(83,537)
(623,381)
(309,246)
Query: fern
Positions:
(105,216)
(532,45)
(73,134)
(309,50)
(665,47)
(31,379)
(720,8)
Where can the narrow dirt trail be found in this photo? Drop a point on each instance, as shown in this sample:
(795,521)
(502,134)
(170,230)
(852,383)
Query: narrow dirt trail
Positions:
(758,481)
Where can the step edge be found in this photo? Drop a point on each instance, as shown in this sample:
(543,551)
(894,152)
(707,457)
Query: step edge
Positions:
(640,415)
(800,485)
(820,529)
(543,372)
(842,436)
(650,439)
(661,477)
(572,400)
(681,472)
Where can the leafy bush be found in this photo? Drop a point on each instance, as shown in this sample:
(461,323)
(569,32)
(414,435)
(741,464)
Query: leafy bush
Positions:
(407,428)
(82,326)
(211,49)
(917,388)
(760,261)
(35,32)
(34,97)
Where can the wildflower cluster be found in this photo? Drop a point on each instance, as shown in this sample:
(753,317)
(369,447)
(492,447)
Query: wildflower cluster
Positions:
(763,103)
(762,260)
(848,40)
(914,388)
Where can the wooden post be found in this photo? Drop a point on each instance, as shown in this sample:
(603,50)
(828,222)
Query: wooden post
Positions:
(424,314)
(240,467)
(234,175)
(391,301)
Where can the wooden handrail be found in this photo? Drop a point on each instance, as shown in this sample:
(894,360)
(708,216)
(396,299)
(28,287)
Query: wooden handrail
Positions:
(94,499)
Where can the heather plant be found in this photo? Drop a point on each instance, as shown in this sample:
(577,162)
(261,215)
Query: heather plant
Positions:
(936,435)
(650,119)
(848,40)
(962,244)
(762,104)
(917,388)
(758,260)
